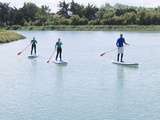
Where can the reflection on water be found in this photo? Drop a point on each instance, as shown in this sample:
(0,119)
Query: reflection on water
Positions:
(120,77)
(33,69)
(34,63)
(59,81)
(120,74)
(59,76)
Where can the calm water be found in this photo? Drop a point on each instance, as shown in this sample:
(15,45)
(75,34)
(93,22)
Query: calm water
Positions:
(90,87)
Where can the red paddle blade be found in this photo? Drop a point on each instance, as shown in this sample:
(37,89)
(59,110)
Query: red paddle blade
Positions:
(19,53)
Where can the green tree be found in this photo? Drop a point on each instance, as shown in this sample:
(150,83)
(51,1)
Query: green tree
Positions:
(90,12)
(63,9)
(4,13)
(65,21)
(75,20)
(42,15)
(29,11)
(76,9)
(130,18)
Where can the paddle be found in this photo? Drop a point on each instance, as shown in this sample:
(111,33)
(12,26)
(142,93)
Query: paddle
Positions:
(19,53)
(108,51)
(51,56)
(112,50)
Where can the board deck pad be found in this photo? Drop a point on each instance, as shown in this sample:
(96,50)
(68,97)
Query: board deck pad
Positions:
(60,62)
(125,63)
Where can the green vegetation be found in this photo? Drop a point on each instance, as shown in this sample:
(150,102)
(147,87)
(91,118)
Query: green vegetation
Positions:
(9,36)
(90,27)
(75,16)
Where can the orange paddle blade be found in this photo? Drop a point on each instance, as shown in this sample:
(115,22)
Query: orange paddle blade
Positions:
(19,53)
(102,54)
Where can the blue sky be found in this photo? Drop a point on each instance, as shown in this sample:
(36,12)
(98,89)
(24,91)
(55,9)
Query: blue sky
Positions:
(53,3)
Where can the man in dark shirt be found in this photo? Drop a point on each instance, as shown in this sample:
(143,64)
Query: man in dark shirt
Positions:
(59,49)
(33,46)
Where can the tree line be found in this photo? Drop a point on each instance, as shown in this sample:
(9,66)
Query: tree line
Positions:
(73,13)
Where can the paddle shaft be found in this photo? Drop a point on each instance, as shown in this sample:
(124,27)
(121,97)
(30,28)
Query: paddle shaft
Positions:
(112,50)
(51,56)
(108,51)
(19,53)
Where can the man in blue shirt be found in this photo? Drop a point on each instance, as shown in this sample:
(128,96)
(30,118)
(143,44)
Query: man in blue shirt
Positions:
(120,44)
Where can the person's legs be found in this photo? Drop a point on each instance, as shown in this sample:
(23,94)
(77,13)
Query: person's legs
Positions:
(119,52)
(60,51)
(57,54)
(118,57)
(35,50)
(122,54)
(31,49)
(121,57)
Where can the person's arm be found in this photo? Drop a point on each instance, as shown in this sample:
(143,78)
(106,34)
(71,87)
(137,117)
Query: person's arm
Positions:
(55,45)
(117,44)
(125,42)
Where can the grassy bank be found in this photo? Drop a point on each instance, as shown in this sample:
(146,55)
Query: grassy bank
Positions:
(89,27)
(9,36)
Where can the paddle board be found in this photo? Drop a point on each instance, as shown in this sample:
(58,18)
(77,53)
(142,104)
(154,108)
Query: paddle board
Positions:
(60,62)
(32,56)
(125,63)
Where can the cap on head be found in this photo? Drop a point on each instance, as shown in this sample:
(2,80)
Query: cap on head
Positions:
(59,39)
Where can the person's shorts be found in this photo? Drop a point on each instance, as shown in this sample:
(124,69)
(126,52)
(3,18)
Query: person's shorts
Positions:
(120,50)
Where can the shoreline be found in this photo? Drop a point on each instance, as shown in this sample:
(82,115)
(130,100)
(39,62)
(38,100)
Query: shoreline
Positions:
(87,28)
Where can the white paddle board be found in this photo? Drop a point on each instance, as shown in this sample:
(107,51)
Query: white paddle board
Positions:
(125,63)
(60,62)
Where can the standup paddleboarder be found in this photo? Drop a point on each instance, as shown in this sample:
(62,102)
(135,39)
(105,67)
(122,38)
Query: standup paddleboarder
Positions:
(33,45)
(58,47)
(120,44)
